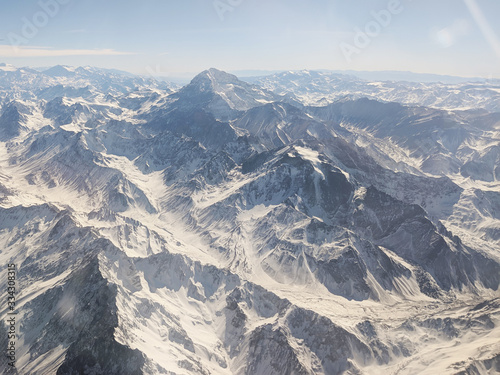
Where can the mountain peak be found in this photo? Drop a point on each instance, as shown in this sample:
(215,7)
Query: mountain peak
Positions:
(215,76)
(60,71)
(7,67)
(223,93)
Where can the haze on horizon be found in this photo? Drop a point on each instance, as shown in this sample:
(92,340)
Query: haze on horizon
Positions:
(162,38)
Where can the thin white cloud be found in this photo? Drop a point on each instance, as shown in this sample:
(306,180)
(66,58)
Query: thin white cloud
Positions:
(34,51)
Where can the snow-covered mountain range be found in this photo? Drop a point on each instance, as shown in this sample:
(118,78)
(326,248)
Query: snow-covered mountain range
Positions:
(303,223)
(321,88)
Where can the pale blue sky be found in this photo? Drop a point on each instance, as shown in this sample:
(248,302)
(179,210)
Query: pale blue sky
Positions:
(166,37)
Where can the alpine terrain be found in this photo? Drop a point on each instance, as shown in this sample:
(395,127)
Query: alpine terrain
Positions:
(298,223)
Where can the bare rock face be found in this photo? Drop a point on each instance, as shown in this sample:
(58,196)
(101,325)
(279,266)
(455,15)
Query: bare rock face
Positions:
(94,349)
(12,120)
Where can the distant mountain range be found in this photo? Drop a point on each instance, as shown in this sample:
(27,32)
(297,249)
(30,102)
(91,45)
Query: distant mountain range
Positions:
(378,76)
